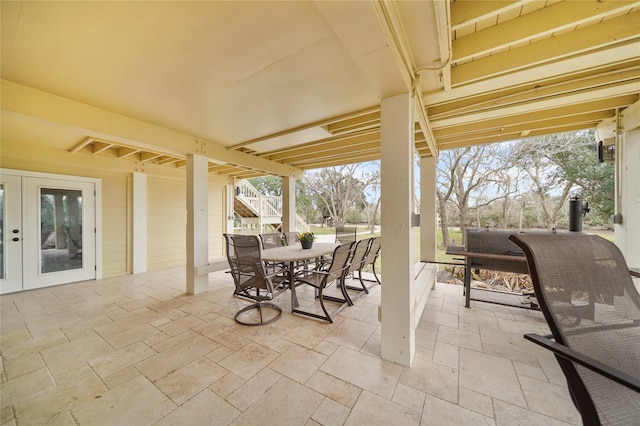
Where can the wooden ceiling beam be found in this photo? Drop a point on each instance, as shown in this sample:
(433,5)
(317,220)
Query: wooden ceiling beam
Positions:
(369,120)
(148,156)
(343,151)
(533,117)
(593,37)
(98,147)
(339,162)
(508,136)
(124,151)
(304,127)
(586,120)
(543,104)
(163,161)
(328,143)
(563,85)
(469,12)
(541,23)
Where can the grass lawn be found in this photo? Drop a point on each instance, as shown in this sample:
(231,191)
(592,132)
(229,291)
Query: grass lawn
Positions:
(454,234)
(363,232)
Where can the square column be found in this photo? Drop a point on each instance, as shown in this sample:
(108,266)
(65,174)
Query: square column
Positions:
(139,223)
(428,216)
(628,196)
(289,204)
(197,222)
(396,167)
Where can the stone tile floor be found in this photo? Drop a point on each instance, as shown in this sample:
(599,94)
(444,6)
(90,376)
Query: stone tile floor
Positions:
(137,350)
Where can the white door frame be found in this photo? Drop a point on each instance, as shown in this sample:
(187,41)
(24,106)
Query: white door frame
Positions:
(11,234)
(97,184)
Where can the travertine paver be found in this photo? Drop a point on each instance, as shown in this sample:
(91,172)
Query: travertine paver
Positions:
(138,350)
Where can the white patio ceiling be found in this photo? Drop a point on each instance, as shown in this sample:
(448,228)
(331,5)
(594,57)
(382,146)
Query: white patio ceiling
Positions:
(299,83)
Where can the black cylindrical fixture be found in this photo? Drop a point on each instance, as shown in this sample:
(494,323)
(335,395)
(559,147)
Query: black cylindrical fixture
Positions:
(575,215)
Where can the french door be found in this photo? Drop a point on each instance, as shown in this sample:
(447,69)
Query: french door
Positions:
(48,232)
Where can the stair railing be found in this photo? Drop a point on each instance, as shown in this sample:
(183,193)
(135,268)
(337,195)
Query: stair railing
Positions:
(265,205)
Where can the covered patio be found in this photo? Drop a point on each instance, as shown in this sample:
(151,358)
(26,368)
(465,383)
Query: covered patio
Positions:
(155,110)
(137,350)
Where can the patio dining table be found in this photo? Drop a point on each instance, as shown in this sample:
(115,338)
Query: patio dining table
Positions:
(289,255)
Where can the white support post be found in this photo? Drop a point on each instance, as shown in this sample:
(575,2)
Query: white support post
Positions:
(139,233)
(289,204)
(230,193)
(197,222)
(625,129)
(398,335)
(428,216)
(628,196)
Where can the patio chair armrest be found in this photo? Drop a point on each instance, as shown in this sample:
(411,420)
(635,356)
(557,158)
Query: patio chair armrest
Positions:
(276,271)
(599,367)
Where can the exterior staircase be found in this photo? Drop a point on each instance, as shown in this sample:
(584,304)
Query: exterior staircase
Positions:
(260,213)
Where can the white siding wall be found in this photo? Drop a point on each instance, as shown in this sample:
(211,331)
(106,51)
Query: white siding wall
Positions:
(166,203)
(166,223)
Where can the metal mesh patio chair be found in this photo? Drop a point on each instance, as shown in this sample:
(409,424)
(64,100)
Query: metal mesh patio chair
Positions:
(320,279)
(346,234)
(271,240)
(292,238)
(592,307)
(372,256)
(252,280)
(356,263)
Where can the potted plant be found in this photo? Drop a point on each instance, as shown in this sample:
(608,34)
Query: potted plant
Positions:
(306,239)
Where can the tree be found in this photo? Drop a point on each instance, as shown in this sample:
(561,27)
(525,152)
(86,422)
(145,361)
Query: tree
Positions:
(267,185)
(304,202)
(464,175)
(599,190)
(338,189)
(369,200)
(556,165)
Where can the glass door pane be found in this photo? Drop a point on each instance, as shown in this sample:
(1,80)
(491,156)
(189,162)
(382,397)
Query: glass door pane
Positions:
(60,229)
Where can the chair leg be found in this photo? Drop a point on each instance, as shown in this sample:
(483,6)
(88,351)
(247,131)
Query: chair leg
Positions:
(324,309)
(365,288)
(259,306)
(327,316)
(376,275)
(343,287)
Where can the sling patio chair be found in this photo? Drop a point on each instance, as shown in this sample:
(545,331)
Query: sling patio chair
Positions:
(292,238)
(592,308)
(320,279)
(372,256)
(356,263)
(272,240)
(252,280)
(346,234)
